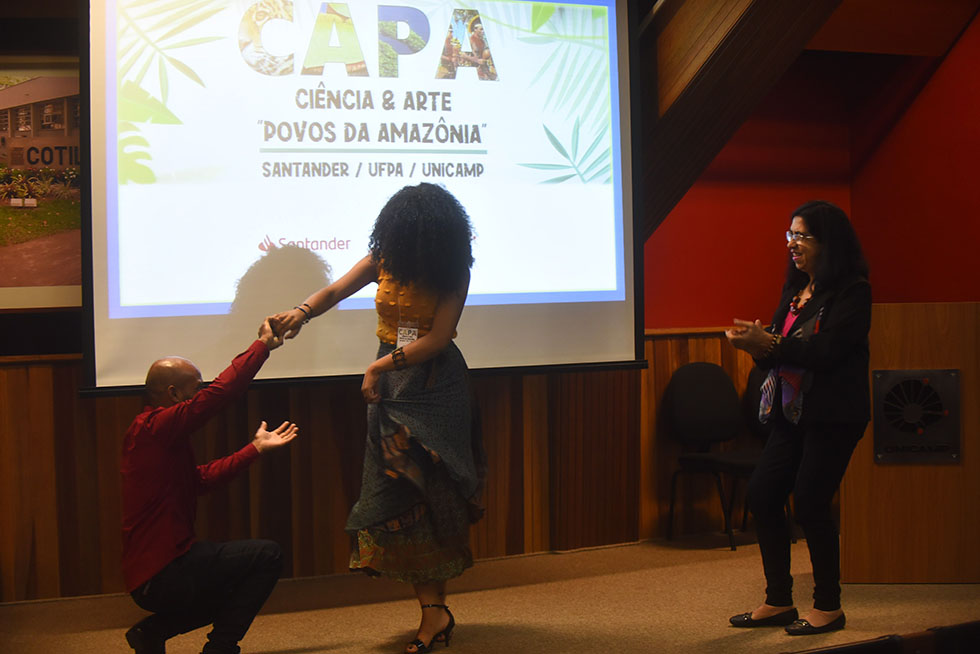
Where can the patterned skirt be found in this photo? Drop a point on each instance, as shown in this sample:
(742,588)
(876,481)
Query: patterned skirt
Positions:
(424,468)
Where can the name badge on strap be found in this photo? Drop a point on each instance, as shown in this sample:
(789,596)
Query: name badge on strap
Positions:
(408,332)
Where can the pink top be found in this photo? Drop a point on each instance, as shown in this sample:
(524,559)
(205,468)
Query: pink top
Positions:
(788,323)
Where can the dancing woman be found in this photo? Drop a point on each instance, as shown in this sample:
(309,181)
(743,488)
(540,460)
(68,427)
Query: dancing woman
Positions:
(423,464)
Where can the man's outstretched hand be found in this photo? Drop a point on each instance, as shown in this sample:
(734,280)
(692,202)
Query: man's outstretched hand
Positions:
(268,333)
(270,440)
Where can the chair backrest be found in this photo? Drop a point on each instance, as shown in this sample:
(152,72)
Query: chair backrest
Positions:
(700,405)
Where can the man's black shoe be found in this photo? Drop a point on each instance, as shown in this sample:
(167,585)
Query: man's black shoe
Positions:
(143,641)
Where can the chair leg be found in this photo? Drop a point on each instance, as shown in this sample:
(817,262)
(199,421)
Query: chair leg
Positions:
(724,510)
(731,499)
(745,504)
(673,496)
(731,505)
(731,510)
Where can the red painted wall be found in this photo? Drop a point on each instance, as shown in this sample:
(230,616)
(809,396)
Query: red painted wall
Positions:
(721,253)
(915,204)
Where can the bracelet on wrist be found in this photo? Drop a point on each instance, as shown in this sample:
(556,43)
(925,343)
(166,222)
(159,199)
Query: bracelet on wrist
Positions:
(308,314)
(398,358)
(774,342)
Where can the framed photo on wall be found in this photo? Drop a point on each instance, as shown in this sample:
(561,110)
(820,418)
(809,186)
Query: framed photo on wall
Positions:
(40,167)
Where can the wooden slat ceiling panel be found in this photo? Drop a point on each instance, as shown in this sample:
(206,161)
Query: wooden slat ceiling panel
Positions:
(693,32)
(902,27)
(753,54)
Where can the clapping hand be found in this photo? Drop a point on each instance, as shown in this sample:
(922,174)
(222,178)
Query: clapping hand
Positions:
(749,336)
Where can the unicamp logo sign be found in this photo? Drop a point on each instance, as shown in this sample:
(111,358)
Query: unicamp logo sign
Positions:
(318,245)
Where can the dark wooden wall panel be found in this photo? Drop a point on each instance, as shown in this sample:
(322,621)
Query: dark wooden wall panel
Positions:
(60,503)
(575,460)
(43,486)
(917,523)
(588,453)
(535,464)
(14,524)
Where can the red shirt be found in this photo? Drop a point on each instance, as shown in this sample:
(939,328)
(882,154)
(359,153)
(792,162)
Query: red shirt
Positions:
(160,482)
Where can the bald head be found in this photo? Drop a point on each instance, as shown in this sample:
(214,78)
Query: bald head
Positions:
(171,380)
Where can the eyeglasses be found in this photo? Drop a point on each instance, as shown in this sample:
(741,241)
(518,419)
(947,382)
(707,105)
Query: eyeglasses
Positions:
(797,237)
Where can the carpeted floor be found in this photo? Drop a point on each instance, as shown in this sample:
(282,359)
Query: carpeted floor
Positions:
(647,597)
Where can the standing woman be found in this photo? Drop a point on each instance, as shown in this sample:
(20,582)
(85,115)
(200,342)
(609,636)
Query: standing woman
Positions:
(423,466)
(816,400)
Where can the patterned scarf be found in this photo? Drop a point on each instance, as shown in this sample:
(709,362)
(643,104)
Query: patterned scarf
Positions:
(789,378)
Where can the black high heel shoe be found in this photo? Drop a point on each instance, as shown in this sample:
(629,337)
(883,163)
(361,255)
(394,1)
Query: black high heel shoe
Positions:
(441,637)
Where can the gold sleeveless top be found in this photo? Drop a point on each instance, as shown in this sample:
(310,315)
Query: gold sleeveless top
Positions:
(395,302)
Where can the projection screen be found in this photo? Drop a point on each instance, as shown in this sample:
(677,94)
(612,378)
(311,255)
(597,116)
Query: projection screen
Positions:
(241,151)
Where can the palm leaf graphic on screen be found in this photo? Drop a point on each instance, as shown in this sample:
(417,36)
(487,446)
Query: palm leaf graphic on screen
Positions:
(590,167)
(150,33)
(578,70)
(135,105)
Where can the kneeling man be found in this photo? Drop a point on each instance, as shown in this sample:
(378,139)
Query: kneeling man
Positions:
(184,582)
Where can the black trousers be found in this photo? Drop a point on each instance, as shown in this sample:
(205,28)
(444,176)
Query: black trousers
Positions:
(809,462)
(222,584)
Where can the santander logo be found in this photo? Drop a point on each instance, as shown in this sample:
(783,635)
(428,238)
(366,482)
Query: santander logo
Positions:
(322,244)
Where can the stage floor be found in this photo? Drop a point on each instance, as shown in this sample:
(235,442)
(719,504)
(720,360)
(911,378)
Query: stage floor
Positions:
(645,597)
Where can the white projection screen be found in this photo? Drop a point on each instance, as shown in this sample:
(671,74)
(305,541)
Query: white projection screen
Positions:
(241,151)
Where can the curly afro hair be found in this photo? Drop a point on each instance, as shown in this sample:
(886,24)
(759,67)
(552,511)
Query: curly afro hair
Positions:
(422,236)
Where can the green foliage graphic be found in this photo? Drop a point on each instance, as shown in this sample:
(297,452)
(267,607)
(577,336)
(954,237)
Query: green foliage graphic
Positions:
(136,105)
(133,149)
(575,78)
(592,166)
(150,35)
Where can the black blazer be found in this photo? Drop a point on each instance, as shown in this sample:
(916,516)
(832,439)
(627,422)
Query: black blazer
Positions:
(835,385)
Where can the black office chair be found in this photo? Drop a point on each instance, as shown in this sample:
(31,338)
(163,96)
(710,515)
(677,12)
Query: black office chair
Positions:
(700,410)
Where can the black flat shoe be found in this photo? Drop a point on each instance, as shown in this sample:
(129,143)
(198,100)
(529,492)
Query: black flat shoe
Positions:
(804,628)
(778,620)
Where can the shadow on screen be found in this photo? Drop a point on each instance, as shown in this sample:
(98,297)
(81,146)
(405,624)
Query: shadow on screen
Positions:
(281,278)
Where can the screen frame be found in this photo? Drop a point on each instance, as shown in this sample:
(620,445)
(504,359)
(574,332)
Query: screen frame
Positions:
(628,18)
